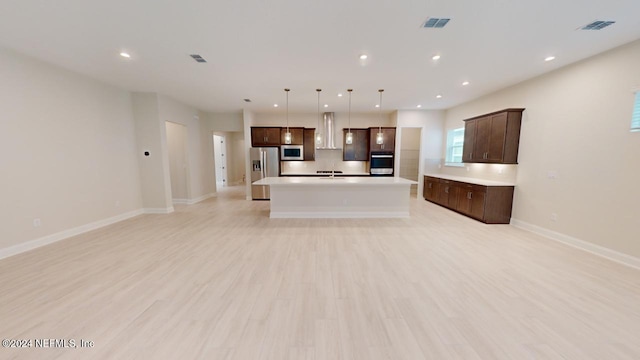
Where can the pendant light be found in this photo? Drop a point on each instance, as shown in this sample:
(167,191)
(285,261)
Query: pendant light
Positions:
(287,135)
(318,131)
(349,138)
(379,136)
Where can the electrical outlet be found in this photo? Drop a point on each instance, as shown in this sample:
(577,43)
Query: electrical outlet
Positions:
(552,174)
(500,171)
(554,217)
(37,222)
(468,168)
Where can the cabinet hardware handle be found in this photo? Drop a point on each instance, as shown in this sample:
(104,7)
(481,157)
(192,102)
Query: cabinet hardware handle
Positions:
(446,189)
(469,195)
(430,185)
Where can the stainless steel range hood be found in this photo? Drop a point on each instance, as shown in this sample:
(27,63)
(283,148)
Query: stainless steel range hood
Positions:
(328,132)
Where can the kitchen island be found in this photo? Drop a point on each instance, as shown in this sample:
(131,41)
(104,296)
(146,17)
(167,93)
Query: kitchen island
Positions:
(338,197)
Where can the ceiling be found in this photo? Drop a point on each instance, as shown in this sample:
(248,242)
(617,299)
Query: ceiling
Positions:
(255,49)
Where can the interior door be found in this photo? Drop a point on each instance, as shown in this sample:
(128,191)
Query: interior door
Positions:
(220,156)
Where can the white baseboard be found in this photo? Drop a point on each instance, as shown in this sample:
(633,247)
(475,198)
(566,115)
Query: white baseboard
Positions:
(168,210)
(192,201)
(49,239)
(580,244)
(201,198)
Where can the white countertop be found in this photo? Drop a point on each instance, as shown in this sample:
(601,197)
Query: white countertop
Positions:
(337,180)
(471,180)
(316,174)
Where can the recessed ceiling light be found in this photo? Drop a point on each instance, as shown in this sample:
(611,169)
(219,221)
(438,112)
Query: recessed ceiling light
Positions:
(419,106)
(363,57)
(326,105)
(465,83)
(125,55)
(377,105)
(435,57)
(340,95)
(549,58)
(247,100)
(438,96)
(275,105)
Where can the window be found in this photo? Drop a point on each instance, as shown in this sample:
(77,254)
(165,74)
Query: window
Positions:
(455,140)
(635,118)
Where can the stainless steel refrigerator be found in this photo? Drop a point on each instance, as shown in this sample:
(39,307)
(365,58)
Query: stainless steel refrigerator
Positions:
(264,163)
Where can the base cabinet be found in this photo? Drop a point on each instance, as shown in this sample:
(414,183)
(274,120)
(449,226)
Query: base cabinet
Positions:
(489,204)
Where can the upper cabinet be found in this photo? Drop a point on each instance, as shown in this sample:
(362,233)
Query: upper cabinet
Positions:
(265,136)
(493,138)
(388,139)
(358,150)
(309,144)
(297,135)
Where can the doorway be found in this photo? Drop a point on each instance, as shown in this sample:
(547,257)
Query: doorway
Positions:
(410,156)
(220,160)
(178,162)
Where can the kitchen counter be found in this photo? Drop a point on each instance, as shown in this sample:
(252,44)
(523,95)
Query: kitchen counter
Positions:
(323,175)
(470,180)
(338,197)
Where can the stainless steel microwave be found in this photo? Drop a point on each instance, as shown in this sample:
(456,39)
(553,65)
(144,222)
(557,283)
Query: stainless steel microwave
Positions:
(291,152)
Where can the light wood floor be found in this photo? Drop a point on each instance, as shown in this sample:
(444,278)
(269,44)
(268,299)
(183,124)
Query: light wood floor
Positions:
(220,280)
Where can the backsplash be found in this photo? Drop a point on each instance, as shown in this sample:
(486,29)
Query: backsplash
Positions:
(325,160)
(496,172)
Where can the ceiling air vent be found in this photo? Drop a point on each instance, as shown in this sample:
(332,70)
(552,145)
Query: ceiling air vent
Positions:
(435,23)
(597,25)
(198,58)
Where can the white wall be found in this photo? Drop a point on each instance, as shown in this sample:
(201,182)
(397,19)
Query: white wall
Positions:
(228,122)
(576,124)
(67,151)
(155,181)
(247,122)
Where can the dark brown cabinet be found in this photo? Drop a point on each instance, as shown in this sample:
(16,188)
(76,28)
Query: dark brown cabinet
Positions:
(471,200)
(309,144)
(446,193)
(493,138)
(297,135)
(358,150)
(388,139)
(489,204)
(265,136)
(430,188)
